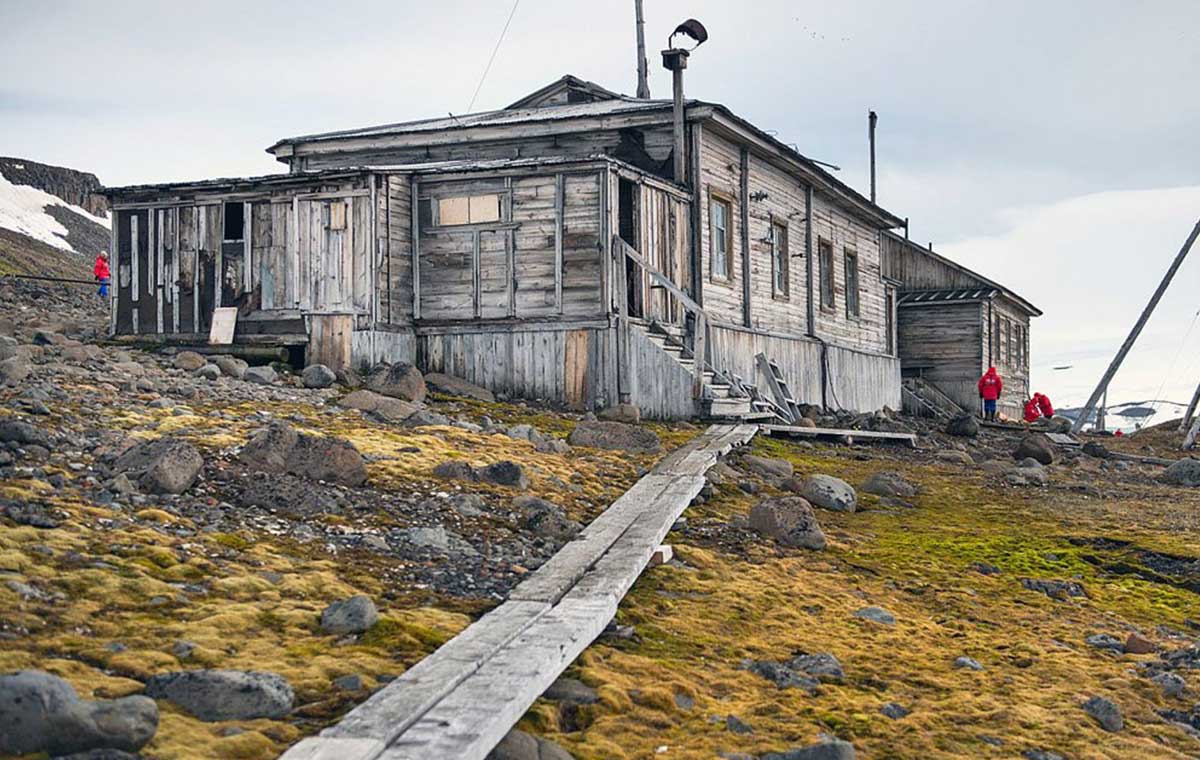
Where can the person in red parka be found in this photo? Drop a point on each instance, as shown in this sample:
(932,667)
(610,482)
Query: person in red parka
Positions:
(1031,409)
(1044,405)
(990,386)
(102,273)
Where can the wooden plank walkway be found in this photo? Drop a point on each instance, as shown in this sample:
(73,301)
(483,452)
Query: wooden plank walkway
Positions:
(841,436)
(460,701)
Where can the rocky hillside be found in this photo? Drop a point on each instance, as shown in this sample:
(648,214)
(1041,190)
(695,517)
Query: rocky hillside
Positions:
(74,187)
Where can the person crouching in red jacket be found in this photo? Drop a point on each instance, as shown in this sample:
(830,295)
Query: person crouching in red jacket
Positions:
(990,386)
(1031,409)
(1044,405)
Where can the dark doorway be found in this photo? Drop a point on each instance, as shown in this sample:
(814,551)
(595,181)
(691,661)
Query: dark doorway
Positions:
(627,228)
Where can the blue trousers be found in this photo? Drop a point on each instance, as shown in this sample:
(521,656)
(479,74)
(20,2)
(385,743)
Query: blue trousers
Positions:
(103,292)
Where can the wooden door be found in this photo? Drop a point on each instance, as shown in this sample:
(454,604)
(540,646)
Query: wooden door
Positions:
(494,274)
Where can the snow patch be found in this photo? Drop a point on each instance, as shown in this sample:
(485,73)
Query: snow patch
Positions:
(23,210)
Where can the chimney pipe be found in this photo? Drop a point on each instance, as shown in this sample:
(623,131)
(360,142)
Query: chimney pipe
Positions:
(643,83)
(872,117)
(675,60)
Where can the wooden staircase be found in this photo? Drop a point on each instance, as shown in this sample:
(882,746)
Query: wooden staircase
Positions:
(921,398)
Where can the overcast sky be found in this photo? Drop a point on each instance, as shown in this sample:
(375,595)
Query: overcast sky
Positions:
(1052,146)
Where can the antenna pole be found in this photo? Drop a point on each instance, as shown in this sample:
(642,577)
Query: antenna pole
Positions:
(872,118)
(1135,332)
(643,82)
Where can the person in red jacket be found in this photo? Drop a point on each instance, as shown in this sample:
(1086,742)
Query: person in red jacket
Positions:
(990,386)
(1031,409)
(1044,405)
(102,273)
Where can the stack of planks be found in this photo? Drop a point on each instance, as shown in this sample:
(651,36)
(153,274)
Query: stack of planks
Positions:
(461,701)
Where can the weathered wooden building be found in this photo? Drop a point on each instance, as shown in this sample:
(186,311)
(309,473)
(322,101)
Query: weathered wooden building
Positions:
(546,250)
(953,323)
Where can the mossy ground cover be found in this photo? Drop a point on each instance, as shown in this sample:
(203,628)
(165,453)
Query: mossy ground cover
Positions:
(698,621)
(121,586)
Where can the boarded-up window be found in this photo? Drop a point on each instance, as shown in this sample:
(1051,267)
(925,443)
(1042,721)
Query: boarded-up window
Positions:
(474,209)
(779,260)
(825,249)
(852,307)
(720,237)
(337,215)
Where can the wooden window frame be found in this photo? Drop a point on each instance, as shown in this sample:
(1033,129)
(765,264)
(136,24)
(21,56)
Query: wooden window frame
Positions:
(779,259)
(848,255)
(825,268)
(716,196)
(429,204)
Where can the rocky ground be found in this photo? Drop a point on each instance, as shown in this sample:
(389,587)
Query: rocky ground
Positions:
(201,558)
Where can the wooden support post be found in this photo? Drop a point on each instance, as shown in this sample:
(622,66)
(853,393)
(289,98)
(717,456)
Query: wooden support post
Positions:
(744,202)
(114,280)
(1191,410)
(700,355)
(1189,443)
(1135,332)
(416,250)
(662,555)
(810,313)
(558,242)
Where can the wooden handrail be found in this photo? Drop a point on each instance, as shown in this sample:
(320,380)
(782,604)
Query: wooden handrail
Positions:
(656,275)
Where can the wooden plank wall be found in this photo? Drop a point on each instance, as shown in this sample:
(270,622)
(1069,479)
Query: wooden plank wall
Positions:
(395,272)
(942,343)
(371,347)
(551,362)
(996,347)
(863,382)
(907,262)
(659,386)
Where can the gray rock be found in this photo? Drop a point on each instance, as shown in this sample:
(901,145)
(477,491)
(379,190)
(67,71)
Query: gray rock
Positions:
(208,372)
(231,366)
(1104,712)
(14,370)
(456,386)
(820,664)
(894,710)
(525,432)
(889,483)
(789,520)
(213,695)
(384,407)
(621,413)
(571,690)
(616,436)
(963,426)
(967,663)
(1041,754)
(736,725)
(402,381)
(830,493)
(518,745)
(133,369)
(349,683)
(183,649)
(1185,472)
(164,465)
(876,615)
(955,456)
(455,469)
(40,712)
(434,537)
(1053,588)
(263,375)
(318,376)
(188,361)
(23,433)
(425,418)
(1172,684)
(280,448)
(831,750)
(776,468)
(1037,447)
(1105,641)
(781,675)
(504,473)
(352,615)
(545,518)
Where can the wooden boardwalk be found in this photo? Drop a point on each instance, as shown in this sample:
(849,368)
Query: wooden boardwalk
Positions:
(460,701)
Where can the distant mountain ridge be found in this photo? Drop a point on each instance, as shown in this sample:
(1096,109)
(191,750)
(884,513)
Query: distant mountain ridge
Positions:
(71,185)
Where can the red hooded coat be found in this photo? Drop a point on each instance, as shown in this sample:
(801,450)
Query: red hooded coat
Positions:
(101,269)
(990,385)
(1031,409)
(1044,405)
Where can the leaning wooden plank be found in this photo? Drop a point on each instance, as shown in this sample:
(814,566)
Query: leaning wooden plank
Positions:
(327,748)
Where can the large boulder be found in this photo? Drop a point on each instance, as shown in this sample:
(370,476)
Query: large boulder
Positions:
(1104,712)
(504,473)
(23,433)
(231,366)
(318,376)
(1036,446)
(14,370)
(964,426)
(353,615)
(189,361)
(164,465)
(384,407)
(615,435)
(40,712)
(889,483)
(280,448)
(263,375)
(829,492)
(766,466)
(1185,472)
(402,381)
(213,695)
(789,520)
(545,518)
(456,386)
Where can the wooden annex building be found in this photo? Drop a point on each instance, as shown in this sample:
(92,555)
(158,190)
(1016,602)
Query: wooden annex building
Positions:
(546,250)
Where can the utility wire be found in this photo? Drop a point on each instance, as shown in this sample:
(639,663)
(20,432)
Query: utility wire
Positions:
(1171,369)
(492,59)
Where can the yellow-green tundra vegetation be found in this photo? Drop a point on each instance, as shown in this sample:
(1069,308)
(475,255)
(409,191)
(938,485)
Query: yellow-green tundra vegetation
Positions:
(115,576)
(668,692)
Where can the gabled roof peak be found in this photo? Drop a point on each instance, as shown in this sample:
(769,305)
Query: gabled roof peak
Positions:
(564,90)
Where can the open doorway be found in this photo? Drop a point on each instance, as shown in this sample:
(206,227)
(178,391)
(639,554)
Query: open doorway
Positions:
(627,228)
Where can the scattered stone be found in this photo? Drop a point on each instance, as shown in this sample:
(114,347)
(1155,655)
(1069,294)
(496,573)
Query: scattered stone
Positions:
(14,370)
(545,518)
(1105,641)
(1172,684)
(876,615)
(16,431)
(164,465)
(781,675)
(984,568)
(621,413)
(188,361)
(208,372)
(1041,754)
(615,435)
(504,473)
(830,493)
(571,690)
(433,537)
(213,695)
(963,426)
(355,614)
(231,366)
(820,664)
(738,726)
(1054,589)
(830,750)
(518,745)
(789,520)
(183,649)
(455,469)
(318,376)
(280,448)
(1185,472)
(968,663)
(889,483)
(133,369)
(1037,447)
(954,456)
(456,386)
(1104,712)
(402,381)
(894,710)
(349,683)
(263,375)
(40,712)
(384,407)
(1138,644)
(775,468)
